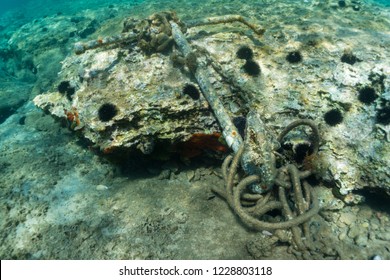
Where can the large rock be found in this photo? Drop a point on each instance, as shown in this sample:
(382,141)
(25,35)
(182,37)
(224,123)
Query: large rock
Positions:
(325,85)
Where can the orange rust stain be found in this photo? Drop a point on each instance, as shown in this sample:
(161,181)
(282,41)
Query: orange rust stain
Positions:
(69,116)
(199,143)
(72,116)
(309,161)
(108,150)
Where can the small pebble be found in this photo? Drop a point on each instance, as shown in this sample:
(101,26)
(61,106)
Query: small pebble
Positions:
(365,224)
(354,231)
(383,236)
(374,226)
(190,175)
(361,240)
(101,188)
(342,236)
(347,218)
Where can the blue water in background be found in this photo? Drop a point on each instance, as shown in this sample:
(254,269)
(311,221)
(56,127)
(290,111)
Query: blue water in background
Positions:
(72,5)
(384,2)
(37,7)
(6,5)
(16,13)
(27,10)
(30,6)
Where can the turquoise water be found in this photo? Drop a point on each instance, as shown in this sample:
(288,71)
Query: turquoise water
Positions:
(64,196)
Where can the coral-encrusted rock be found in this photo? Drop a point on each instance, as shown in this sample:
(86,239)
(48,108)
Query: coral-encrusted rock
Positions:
(147,92)
(150,107)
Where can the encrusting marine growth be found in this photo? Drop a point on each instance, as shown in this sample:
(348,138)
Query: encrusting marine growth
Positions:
(250,207)
(253,146)
(287,178)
